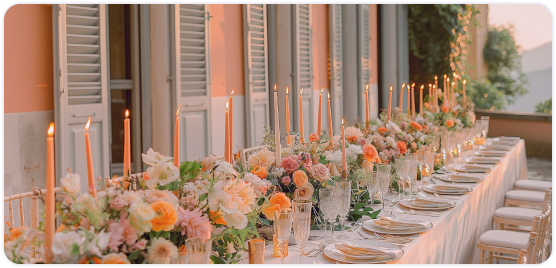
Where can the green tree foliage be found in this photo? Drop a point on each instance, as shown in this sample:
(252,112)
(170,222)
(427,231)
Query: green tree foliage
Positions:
(544,106)
(438,36)
(485,95)
(504,63)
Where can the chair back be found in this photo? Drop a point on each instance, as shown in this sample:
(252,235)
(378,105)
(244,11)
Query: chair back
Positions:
(245,153)
(540,234)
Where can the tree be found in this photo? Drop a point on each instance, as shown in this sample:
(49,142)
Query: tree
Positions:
(544,106)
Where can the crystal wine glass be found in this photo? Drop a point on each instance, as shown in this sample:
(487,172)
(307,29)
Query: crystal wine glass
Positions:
(301,223)
(411,170)
(282,228)
(329,208)
(343,197)
(383,179)
(198,251)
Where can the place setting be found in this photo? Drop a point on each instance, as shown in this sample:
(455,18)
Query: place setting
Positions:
(482,160)
(460,178)
(471,168)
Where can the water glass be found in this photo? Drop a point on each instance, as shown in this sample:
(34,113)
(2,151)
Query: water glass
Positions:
(370,180)
(400,165)
(485,125)
(282,228)
(198,250)
(329,208)
(411,170)
(256,250)
(343,197)
(383,179)
(301,223)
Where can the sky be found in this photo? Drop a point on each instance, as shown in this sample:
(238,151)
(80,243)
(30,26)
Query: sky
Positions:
(525,18)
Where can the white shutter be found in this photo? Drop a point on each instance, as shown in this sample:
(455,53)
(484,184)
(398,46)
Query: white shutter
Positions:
(81,80)
(336,75)
(255,51)
(303,68)
(192,86)
(364,55)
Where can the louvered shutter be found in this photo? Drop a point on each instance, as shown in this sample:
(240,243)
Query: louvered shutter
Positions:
(255,50)
(81,86)
(192,76)
(364,54)
(303,68)
(336,74)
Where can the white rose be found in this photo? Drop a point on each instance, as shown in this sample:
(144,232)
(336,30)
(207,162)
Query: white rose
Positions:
(287,151)
(161,174)
(237,220)
(208,162)
(161,195)
(153,158)
(391,142)
(226,169)
(260,185)
(63,244)
(71,183)
(393,127)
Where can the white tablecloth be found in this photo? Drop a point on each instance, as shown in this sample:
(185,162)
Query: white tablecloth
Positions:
(453,238)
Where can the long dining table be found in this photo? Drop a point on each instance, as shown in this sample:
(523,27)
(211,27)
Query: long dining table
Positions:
(454,234)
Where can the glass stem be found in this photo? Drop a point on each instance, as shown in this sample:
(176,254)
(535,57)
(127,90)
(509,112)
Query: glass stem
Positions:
(301,253)
(282,246)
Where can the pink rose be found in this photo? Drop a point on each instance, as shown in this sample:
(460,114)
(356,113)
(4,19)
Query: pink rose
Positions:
(117,203)
(290,163)
(362,142)
(305,159)
(320,172)
(286,180)
(403,124)
(141,244)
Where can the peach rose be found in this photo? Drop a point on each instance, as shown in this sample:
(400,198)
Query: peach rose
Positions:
(333,169)
(216,217)
(370,152)
(305,192)
(261,172)
(300,178)
(382,130)
(445,109)
(165,216)
(320,172)
(278,201)
(450,123)
(115,258)
(313,137)
(290,163)
(366,165)
(416,125)
(402,147)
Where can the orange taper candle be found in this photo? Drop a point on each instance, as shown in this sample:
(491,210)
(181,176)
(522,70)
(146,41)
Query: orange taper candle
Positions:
(301,116)
(50,197)
(177,139)
(408,100)
(463,88)
(344,162)
(367,107)
(127,143)
(435,96)
(421,99)
(227,134)
(90,171)
(288,129)
(330,133)
(231,129)
(401,97)
(389,103)
(413,101)
(320,112)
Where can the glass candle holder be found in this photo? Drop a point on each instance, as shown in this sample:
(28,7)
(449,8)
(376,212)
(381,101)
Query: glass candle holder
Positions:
(256,251)
(276,247)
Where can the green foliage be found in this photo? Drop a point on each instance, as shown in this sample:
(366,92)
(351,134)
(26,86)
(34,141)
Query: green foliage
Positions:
(485,95)
(504,63)
(438,37)
(544,106)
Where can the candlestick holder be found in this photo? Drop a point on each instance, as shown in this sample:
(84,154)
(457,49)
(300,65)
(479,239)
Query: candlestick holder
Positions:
(256,251)
(276,247)
(344,174)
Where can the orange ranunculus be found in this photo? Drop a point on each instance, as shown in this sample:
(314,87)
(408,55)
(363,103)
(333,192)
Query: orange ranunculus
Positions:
(425,127)
(370,153)
(87,260)
(455,113)
(278,201)
(300,178)
(61,228)
(416,125)
(16,232)
(427,106)
(165,216)
(261,172)
(115,258)
(402,147)
(382,130)
(445,109)
(216,217)
(313,137)
(450,123)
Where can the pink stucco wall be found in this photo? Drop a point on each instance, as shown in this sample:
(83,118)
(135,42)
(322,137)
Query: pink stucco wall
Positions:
(28,59)
(226,49)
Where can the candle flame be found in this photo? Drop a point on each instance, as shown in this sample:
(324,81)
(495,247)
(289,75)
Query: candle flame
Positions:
(433,86)
(227,105)
(391,88)
(403,85)
(329,95)
(430,85)
(301,92)
(232,92)
(287,90)
(126,113)
(88,124)
(435,78)
(453,83)
(445,76)
(448,79)
(464,81)
(367,88)
(50,132)
(322,90)
(178,111)
(455,75)
(342,122)
(274,87)
(413,85)
(422,86)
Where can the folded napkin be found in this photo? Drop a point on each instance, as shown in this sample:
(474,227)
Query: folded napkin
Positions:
(430,202)
(449,188)
(472,167)
(483,160)
(509,138)
(462,177)
(356,249)
(495,147)
(399,223)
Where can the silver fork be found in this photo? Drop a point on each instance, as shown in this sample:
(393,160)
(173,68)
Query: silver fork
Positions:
(356,225)
(320,250)
(435,214)
(316,248)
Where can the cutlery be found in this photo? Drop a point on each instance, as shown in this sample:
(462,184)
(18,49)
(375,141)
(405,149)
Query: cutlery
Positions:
(316,248)
(358,223)
(320,250)
(394,237)
(317,262)
(415,213)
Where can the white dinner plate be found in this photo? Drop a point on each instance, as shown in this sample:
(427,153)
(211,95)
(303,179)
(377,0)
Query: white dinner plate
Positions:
(431,189)
(331,252)
(490,153)
(398,228)
(483,160)
(371,227)
(408,203)
(459,179)
(495,147)
(472,168)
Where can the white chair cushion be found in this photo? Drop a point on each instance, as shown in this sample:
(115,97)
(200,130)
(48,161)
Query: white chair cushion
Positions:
(533,185)
(526,195)
(517,213)
(506,239)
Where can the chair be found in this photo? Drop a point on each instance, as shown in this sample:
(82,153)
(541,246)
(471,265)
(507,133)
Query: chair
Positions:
(532,185)
(508,218)
(524,198)
(34,195)
(498,242)
(245,153)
